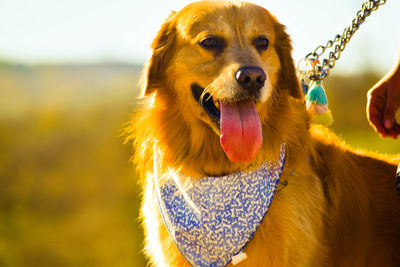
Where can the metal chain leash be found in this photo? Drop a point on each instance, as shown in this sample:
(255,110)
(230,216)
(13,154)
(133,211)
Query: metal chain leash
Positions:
(320,70)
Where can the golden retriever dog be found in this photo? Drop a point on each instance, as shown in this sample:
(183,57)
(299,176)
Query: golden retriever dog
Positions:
(221,97)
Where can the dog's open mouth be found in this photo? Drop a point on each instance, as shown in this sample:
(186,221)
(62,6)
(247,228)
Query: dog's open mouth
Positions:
(240,125)
(207,103)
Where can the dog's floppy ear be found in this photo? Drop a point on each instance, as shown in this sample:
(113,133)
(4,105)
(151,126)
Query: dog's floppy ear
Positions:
(162,52)
(288,74)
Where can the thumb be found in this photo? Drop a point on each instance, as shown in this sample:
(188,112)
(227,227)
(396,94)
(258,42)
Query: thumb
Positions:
(389,112)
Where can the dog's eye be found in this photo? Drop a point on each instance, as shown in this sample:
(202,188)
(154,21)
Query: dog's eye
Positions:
(211,43)
(261,43)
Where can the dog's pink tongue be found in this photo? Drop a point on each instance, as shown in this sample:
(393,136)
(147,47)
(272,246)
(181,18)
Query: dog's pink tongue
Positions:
(241,133)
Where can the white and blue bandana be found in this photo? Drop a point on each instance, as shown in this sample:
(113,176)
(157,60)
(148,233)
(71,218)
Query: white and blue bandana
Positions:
(213,219)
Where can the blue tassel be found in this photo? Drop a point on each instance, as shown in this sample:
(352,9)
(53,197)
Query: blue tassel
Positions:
(317,105)
(316,95)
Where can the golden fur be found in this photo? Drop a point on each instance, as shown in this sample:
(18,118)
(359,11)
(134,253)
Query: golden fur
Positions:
(339,207)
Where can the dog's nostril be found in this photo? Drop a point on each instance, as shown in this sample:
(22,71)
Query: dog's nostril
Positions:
(251,78)
(260,79)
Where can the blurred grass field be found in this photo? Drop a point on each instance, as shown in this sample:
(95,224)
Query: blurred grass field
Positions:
(68,194)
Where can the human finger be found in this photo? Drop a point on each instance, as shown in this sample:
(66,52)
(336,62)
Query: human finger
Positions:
(394,132)
(375,123)
(389,112)
(375,114)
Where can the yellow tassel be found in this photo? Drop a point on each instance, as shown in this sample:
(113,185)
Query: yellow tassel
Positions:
(323,119)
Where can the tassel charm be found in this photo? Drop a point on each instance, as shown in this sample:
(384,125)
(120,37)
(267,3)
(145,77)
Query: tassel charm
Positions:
(317,104)
(311,83)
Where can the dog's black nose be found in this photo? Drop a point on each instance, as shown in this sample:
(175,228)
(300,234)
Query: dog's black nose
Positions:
(251,78)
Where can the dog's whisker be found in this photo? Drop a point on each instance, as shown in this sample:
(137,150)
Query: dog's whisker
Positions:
(210,90)
(203,95)
(218,94)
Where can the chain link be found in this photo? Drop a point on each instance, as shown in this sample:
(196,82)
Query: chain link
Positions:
(321,69)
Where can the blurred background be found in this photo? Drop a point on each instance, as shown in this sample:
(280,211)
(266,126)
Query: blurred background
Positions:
(68,83)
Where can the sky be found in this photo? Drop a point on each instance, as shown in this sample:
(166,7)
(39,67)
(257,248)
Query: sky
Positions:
(48,31)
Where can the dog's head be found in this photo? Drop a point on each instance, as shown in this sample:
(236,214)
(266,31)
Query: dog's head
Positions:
(223,65)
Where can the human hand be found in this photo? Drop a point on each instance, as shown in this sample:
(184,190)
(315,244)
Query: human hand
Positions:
(383,102)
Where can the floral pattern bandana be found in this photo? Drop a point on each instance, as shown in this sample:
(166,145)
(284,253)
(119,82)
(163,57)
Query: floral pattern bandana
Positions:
(213,218)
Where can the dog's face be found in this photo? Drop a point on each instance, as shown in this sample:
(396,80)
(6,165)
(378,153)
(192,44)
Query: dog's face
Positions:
(221,64)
